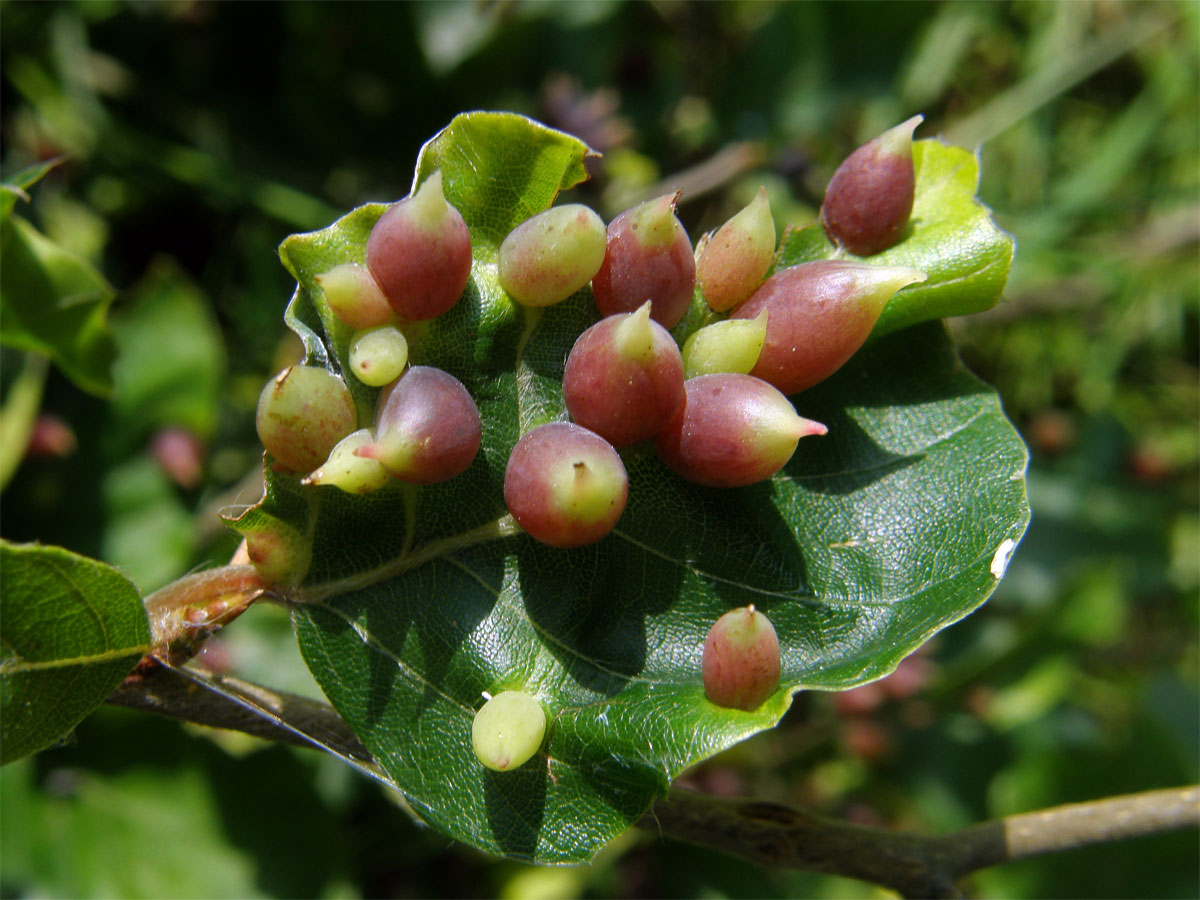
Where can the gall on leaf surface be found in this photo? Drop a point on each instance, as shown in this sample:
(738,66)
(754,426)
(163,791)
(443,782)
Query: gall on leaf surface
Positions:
(420,599)
(950,236)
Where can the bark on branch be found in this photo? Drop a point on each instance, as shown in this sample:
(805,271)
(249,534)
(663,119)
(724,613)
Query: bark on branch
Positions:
(914,865)
(220,701)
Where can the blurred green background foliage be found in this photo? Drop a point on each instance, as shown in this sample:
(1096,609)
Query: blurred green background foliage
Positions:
(197,135)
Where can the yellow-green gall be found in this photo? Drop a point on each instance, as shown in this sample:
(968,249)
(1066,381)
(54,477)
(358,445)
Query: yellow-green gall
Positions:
(508,730)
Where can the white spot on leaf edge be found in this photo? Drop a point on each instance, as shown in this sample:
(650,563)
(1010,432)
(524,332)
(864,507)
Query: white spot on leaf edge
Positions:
(1002,556)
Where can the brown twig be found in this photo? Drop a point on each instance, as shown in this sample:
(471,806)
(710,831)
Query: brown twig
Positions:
(185,613)
(708,175)
(223,702)
(914,865)
(1075,825)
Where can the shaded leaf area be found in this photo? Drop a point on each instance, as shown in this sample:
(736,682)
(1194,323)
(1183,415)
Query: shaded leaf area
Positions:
(55,302)
(419,600)
(951,237)
(71,629)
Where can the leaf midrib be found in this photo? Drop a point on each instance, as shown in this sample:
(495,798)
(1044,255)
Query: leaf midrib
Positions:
(318,593)
(506,526)
(17,665)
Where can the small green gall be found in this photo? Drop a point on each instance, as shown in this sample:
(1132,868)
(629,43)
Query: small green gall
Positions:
(302,413)
(733,345)
(508,730)
(346,470)
(378,355)
(279,552)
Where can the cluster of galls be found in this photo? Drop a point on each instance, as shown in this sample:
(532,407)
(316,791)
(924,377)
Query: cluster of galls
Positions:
(427,427)
(717,411)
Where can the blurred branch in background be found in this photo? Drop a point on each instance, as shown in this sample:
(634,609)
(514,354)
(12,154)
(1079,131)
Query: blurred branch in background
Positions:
(1055,78)
(715,173)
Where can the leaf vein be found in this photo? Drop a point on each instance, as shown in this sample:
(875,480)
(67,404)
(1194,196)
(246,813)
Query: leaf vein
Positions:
(371,643)
(914,454)
(16,665)
(701,573)
(970,274)
(493,530)
(546,636)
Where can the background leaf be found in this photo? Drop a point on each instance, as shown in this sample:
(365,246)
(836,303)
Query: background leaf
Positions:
(71,629)
(172,363)
(419,600)
(55,302)
(15,187)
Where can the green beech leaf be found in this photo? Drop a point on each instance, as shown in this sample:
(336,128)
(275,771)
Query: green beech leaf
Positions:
(71,629)
(951,237)
(55,302)
(418,600)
